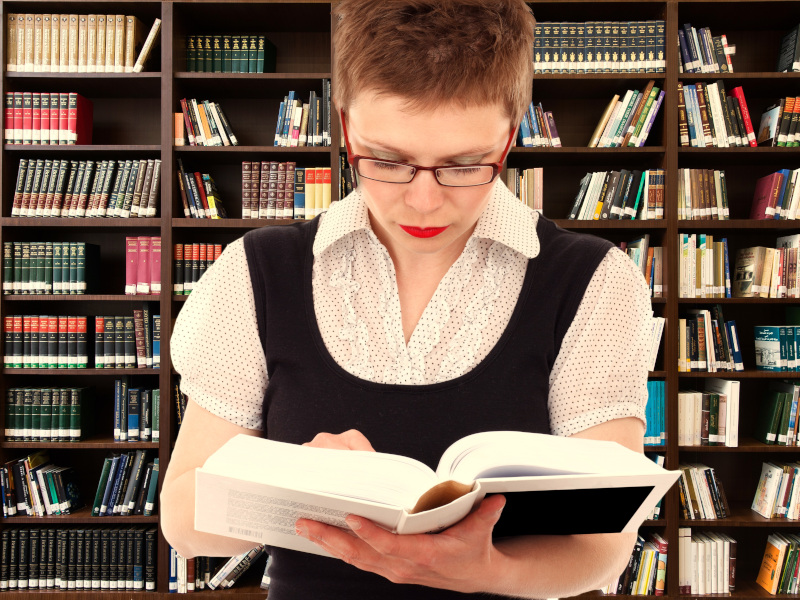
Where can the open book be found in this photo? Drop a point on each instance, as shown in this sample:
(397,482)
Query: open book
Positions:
(255,489)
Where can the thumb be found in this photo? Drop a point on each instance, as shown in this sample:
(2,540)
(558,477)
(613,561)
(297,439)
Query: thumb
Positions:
(482,520)
(491,508)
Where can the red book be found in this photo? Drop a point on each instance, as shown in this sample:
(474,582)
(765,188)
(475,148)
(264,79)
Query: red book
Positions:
(247,188)
(766,196)
(63,118)
(99,354)
(143,271)
(63,332)
(36,118)
(738,93)
(203,256)
(34,346)
(201,190)
(81,354)
(131,264)
(44,121)
(281,197)
(18,103)
(79,119)
(9,119)
(72,342)
(217,251)
(27,117)
(155,265)
(55,111)
(177,287)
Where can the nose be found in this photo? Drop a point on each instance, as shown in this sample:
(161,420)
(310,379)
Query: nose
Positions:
(423,193)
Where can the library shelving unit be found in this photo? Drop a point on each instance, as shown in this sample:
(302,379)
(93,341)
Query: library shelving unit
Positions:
(133,119)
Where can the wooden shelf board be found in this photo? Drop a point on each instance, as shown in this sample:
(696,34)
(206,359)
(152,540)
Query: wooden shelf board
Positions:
(82,148)
(92,443)
(83,515)
(739,224)
(84,297)
(249,149)
(230,223)
(740,517)
(746,445)
(612,224)
(251,76)
(748,374)
(107,372)
(789,301)
(71,76)
(95,222)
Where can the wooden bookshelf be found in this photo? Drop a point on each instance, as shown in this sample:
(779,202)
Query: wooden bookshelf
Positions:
(133,119)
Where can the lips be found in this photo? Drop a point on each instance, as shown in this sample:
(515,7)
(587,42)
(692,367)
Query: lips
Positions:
(423,232)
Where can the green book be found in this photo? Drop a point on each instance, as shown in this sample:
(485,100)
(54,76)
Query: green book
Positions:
(17,279)
(216,53)
(267,55)
(208,54)
(156,419)
(236,53)
(51,485)
(149,504)
(56,276)
(19,413)
(782,430)
(36,415)
(27,415)
(191,53)
(101,486)
(73,268)
(25,277)
(48,268)
(75,409)
(80,267)
(46,412)
(10,415)
(227,54)
(252,54)
(63,415)
(8,267)
(769,415)
(40,273)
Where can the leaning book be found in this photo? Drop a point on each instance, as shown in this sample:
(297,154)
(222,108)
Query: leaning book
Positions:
(255,489)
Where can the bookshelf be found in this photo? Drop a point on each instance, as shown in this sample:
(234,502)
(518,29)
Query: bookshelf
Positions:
(133,119)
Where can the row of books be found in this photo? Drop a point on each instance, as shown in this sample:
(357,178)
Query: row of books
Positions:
(777,195)
(527,186)
(650,260)
(199,195)
(620,194)
(708,116)
(45,342)
(87,188)
(191,262)
(47,414)
(49,267)
(708,343)
(789,53)
(230,54)
(777,422)
(646,572)
(600,47)
(33,486)
(128,342)
(627,122)
(766,272)
(305,124)
(142,265)
(188,575)
(656,514)
(707,562)
(776,494)
(776,347)
(701,493)
(701,52)
(47,118)
(135,413)
(702,194)
(704,267)
(127,486)
(48,43)
(206,124)
(73,559)
(538,128)
(780,124)
(709,417)
(282,190)
(656,431)
(778,573)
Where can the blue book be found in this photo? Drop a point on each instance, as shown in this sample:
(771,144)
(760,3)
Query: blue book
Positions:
(782,204)
(119,475)
(279,124)
(534,123)
(687,60)
(733,336)
(784,348)
(156,341)
(648,414)
(299,193)
(145,430)
(173,571)
(524,137)
(117,410)
(134,408)
(112,474)
(767,341)
(727,269)
(287,119)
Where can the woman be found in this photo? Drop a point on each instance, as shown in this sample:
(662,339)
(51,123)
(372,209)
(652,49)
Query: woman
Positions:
(427,305)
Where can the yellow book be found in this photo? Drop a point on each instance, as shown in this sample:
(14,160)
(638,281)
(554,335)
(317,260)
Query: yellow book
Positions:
(55,29)
(318,199)
(769,574)
(111,28)
(20,42)
(37,43)
(603,120)
(766,272)
(119,43)
(47,33)
(63,44)
(100,60)
(147,46)
(134,35)
(83,43)
(72,48)
(311,193)
(11,42)
(29,27)
(91,44)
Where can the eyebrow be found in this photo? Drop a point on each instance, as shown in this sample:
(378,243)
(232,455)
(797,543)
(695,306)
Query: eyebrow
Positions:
(478,151)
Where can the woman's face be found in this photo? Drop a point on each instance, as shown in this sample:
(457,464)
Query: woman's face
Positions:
(378,127)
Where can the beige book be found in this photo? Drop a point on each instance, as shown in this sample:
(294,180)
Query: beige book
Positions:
(766,271)
(776,272)
(134,35)
(72,49)
(110,30)
(47,32)
(119,43)
(37,43)
(29,27)
(83,42)
(304,125)
(20,42)
(55,28)
(147,46)
(100,61)
(325,186)
(91,44)
(63,45)
(11,42)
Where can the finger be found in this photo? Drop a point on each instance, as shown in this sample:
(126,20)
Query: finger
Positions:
(481,521)
(384,542)
(330,441)
(340,543)
(356,440)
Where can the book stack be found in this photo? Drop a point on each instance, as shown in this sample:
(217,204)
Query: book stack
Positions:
(646,573)
(86,558)
(48,118)
(709,117)
(702,194)
(777,422)
(766,272)
(701,52)
(206,124)
(538,128)
(528,186)
(199,195)
(305,124)
(777,196)
(142,265)
(135,413)
(49,267)
(650,260)
(708,343)
(776,495)
(33,486)
(230,54)
(704,268)
(707,562)
(190,263)
(777,573)
(701,493)
(282,190)
(789,53)
(47,414)
(627,122)
(780,124)
(87,188)
(776,347)
(127,485)
(600,47)
(48,43)
(128,342)
(198,573)
(710,417)
(45,342)
(620,194)
(656,434)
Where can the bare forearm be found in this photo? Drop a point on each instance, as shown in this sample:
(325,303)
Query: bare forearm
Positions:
(177,523)
(560,566)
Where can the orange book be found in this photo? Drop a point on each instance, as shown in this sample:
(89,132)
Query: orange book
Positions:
(179,140)
(211,140)
(769,575)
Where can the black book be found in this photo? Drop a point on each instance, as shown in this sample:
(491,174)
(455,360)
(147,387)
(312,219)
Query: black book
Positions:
(83,192)
(49,173)
(146,422)
(108,342)
(87,560)
(80,560)
(110,205)
(119,342)
(46,416)
(36,187)
(737,111)
(13,558)
(129,339)
(72,559)
(52,342)
(105,190)
(19,188)
(188,253)
(33,353)
(97,185)
(21,489)
(27,190)
(61,560)
(99,337)
(27,418)
(26,342)
(113,558)
(138,559)
(122,557)
(33,558)
(130,556)
(141,496)
(130,189)
(105,553)
(24,559)
(62,183)
(5,558)
(18,341)
(52,547)
(148,333)
(150,559)
(123,472)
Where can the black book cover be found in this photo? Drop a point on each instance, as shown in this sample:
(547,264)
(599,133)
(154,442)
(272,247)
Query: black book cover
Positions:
(130,548)
(70,484)
(141,496)
(36,415)
(18,340)
(150,559)
(105,554)
(41,350)
(52,342)
(80,560)
(72,558)
(115,190)
(148,333)
(113,558)
(187,266)
(24,559)
(119,342)
(51,554)
(60,188)
(26,342)
(5,558)
(13,558)
(736,110)
(109,347)
(129,340)
(72,341)
(74,194)
(122,557)
(48,267)
(105,190)
(138,559)
(33,562)
(27,417)
(46,419)
(87,560)
(23,500)
(61,559)
(86,186)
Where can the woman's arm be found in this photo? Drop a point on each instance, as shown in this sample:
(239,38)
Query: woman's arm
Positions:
(201,434)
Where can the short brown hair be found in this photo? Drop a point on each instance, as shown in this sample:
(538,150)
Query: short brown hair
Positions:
(432,53)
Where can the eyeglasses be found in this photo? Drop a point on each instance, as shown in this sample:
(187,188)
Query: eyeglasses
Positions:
(393,171)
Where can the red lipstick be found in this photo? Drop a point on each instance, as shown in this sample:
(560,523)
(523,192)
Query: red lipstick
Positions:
(423,232)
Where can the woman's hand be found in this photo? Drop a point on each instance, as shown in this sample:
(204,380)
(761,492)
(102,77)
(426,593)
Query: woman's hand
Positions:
(351,439)
(461,558)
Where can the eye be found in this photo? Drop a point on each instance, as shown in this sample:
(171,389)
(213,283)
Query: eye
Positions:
(385,166)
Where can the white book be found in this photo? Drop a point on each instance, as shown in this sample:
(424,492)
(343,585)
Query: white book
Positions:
(766,490)
(607,131)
